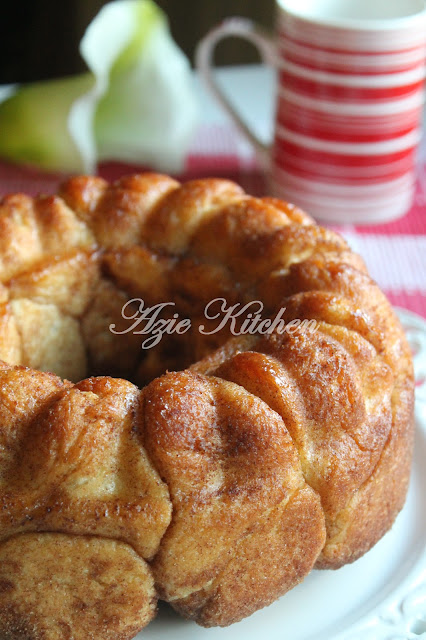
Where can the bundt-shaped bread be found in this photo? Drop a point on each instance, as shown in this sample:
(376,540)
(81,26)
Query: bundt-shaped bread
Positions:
(219,485)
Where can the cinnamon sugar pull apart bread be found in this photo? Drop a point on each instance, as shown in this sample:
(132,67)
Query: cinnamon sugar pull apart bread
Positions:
(213,470)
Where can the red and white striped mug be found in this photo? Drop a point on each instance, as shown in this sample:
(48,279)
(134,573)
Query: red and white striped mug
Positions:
(349,103)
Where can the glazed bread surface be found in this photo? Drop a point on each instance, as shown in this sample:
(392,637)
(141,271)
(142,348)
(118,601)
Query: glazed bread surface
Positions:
(213,471)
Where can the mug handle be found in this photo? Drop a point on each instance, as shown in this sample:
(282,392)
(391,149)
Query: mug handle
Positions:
(242,28)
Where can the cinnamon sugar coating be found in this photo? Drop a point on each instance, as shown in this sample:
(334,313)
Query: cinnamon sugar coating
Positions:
(211,471)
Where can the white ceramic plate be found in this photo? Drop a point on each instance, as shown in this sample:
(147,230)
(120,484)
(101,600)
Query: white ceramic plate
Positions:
(382,596)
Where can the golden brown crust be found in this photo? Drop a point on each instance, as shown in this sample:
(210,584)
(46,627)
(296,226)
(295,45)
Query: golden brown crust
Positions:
(253,578)
(67,281)
(80,468)
(232,479)
(231,469)
(92,588)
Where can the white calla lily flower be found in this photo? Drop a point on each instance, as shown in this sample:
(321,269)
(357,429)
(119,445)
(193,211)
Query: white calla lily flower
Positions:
(135,103)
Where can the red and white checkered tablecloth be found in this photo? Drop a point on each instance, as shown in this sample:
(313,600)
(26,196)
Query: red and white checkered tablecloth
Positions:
(395,252)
